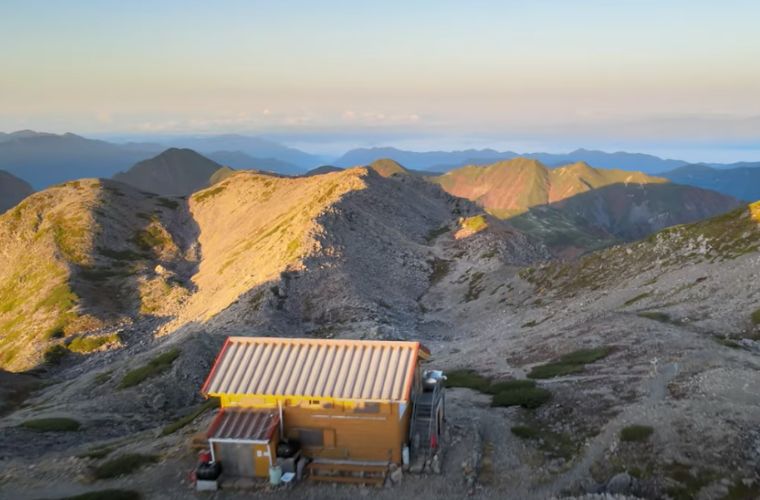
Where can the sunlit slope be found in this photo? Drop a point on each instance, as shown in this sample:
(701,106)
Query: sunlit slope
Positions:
(80,256)
(252,227)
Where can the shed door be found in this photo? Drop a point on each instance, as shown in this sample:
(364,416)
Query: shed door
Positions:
(261,459)
(236,458)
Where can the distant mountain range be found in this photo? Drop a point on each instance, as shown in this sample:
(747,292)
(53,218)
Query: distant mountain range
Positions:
(44,159)
(255,147)
(12,190)
(742,181)
(242,161)
(443,161)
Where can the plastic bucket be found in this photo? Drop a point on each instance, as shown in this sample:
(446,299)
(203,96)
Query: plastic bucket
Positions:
(275,475)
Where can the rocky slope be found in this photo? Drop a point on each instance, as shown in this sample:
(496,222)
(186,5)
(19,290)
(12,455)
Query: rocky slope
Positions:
(354,253)
(12,190)
(175,172)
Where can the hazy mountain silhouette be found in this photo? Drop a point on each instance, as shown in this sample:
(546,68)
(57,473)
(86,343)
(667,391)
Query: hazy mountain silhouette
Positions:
(43,159)
(176,172)
(443,161)
(252,146)
(243,161)
(12,190)
(741,182)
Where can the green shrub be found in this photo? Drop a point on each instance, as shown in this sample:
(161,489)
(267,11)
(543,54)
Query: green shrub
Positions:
(585,356)
(525,432)
(636,433)
(637,298)
(153,368)
(208,193)
(529,397)
(107,495)
(166,202)
(475,223)
(89,344)
(551,370)
(439,271)
(756,317)
(467,378)
(54,354)
(656,316)
(435,233)
(509,385)
(125,464)
(568,364)
(52,424)
(128,255)
(183,421)
(97,452)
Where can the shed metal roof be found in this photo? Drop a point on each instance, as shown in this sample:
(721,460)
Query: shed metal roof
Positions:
(315,368)
(244,425)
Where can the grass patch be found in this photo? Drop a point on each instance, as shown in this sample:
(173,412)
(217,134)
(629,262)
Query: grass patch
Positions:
(97,452)
(150,238)
(568,364)
(469,379)
(527,397)
(123,465)
(89,344)
(475,223)
(183,421)
(656,316)
(208,193)
(637,298)
(102,378)
(584,356)
(107,495)
(525,432)
(636,433)
(153,368)
(53,424)
(554,444)
(54,354)
(440,270)
(505,393)
(728,342)
(690,482)
(435,233)
(474,287)
(510,385)
(551,370)
(741,491)
(167,203)
(756,317)
(128,255)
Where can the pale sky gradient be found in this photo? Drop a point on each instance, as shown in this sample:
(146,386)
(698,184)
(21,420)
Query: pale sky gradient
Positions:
(666,76)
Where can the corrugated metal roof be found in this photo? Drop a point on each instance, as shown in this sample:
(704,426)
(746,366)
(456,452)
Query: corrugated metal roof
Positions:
(244,425)
(336,369)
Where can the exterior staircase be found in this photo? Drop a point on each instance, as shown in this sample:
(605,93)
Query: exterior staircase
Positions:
(422,428)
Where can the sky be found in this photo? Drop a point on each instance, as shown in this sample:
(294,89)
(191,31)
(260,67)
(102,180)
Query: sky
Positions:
(676,78)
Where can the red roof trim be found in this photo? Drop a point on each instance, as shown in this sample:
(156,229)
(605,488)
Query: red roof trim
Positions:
(215,366)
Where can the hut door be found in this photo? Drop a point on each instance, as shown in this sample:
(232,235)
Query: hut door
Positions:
(261,459)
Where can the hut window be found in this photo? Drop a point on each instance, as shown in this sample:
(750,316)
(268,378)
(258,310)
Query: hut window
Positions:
(311,437)
(368,408)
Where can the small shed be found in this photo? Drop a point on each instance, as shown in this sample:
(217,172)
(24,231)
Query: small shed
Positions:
(245,440)
(347,403)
